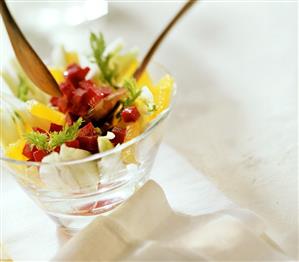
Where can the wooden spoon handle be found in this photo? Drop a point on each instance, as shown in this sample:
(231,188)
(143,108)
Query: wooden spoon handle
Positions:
(160,38)
(29,60)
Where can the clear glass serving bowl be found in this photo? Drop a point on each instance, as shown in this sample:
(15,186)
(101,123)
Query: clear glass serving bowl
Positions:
(72,204)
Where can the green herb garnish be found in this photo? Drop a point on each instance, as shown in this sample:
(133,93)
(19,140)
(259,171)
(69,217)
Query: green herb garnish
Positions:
(37,139)
(133,91)
(50,141)
(98,46)
(68,133)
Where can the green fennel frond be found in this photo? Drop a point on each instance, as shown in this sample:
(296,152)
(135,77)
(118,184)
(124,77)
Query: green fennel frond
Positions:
(133,91)
(68,133)
(37,139)
(51,140)
(103,61)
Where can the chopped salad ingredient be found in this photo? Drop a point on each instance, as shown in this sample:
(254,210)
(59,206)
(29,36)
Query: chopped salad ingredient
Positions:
(48,127)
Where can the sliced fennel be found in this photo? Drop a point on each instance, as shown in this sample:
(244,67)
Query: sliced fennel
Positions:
(104,142)
(20,85)
(112,166)
(15,119)
(81,178)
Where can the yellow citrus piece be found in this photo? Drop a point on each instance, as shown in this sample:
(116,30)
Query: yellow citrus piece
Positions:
(57,73)
(145,80)
(128,71)
(133,130)
(128,155)
(162,93)
(15,150)
(71,58)
(43,111)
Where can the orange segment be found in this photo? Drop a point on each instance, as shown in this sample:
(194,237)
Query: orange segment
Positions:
(145,80)
(15,150)
(128,155)
(57,73)
(162,93)
(71,58)
(42,111)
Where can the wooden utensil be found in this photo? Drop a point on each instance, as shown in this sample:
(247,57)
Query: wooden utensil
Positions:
(106,103)
(147,58)
(27,57)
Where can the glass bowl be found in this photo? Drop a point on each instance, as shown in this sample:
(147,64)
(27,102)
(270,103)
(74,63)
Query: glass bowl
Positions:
(73,193)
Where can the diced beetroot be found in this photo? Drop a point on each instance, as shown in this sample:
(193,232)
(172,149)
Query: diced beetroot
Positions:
(67,88)
(75,73)
(87,130)
(54,127)
(57,149)
(130,114)
(89,143)
(54,101)
(93,96)
(62,104)
(40,130)
(120,134)
(74,143)
(82,110)
(87,84)
(39,155)
(78,95)
(27,151)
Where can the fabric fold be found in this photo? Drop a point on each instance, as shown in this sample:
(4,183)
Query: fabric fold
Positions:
(146,228)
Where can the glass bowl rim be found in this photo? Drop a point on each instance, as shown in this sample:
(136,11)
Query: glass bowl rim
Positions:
(154,123)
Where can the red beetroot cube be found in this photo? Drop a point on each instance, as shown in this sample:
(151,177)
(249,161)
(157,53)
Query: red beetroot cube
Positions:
(120,134)
(93,96)
(27,151)
(78,95)
(62,104)
(67,88)
(57,149)
(89,143)
(87,84)
(39,154)
(40,130)
(78,110)
(87,130)
(82,110)
(74,143)
(130,114)
(75,73)
(54,101)
(55,128)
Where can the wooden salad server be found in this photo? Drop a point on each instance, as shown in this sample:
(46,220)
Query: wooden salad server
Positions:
(32,65)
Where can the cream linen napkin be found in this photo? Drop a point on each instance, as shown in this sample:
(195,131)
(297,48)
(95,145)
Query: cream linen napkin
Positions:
(146,228)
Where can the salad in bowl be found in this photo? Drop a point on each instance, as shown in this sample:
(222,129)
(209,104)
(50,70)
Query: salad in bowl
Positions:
(83,153)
